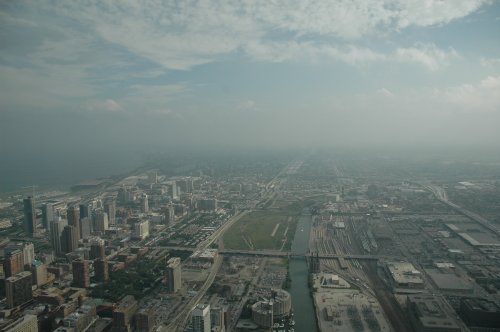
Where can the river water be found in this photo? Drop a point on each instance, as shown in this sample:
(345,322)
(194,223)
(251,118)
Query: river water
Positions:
(303,308)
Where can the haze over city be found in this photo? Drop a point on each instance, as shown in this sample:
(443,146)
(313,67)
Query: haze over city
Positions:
(255,73)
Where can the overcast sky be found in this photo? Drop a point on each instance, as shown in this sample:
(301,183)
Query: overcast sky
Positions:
(110,74)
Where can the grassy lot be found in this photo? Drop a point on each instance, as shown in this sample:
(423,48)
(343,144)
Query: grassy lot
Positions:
(253,231)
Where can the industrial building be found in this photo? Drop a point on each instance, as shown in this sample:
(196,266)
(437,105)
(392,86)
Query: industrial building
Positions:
(429,313)
(404,275)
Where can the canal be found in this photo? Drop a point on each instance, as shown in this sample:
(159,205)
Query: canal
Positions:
(303,308)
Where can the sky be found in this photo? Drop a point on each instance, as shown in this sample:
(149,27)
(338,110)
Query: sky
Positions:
(114,75)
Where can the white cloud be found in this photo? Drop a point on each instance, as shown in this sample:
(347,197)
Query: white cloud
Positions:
(247,106)
(488,62)
(480,97)
(433,12)
(186,34)
(428,55)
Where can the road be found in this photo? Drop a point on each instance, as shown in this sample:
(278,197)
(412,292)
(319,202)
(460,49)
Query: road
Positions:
(441,196)
(182,318)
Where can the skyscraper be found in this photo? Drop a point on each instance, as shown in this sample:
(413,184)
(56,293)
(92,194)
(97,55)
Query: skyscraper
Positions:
(141,229)
(69,239)
(29,216)
(18,289)
(56,229)
(145,204)
(101,221)
(101,269)
(81,273)
(13,262)
(73,215)
(200,318)
(85,210)
(169,214)
(97,248)
(86,224)
(110,208)
(173,274)
(48,214)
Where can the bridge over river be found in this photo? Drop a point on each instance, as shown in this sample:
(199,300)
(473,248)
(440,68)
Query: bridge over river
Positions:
(288,254)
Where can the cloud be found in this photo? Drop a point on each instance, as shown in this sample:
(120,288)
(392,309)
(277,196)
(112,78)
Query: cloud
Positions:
(489,62)
(187,34)
(433,12)
(247,106)
(480,97)
(428,55)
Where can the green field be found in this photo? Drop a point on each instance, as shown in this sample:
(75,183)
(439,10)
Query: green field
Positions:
(254,231)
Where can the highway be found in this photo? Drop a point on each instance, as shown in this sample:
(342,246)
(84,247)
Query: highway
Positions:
(441,196)
(182,318)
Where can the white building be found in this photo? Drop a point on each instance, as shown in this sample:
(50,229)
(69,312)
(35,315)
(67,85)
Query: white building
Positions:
(200,318)
(141,229)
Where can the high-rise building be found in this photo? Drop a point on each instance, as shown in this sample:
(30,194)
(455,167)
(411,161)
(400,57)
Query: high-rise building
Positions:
(97,249)
(26,323)
(29,216)
(73,215)
(173,274)
(123,313)
(101,269)
(169,214)
(172,190)
(55,233)
(69,239)
(145,204)
(101,221)
(28,252)
(48,214)
(110,208)
(207,204)
(144,320)
(200,318)
(85,210)
(18,289)
(141,229)
(81,318)
(217,319)
(86,224)
(81,273)
(38,273)
(13,262)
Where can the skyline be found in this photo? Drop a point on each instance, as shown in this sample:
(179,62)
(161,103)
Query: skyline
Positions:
(258,74)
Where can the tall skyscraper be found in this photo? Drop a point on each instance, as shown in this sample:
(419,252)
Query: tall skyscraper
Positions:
(169,214)
(101,221)
(73,215)
(101,269)
(86,224)
(200,318)
(97,249)
(85,210)
(13,262)
(69,239)
(18,289)
(173,274)
(29,216)
(141,229)
(55,233)
(48,214)
(81,273)
(145,204)
(217,318)
(110,208)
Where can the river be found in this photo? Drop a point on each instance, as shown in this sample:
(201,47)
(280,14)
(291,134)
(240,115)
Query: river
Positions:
(303,308)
